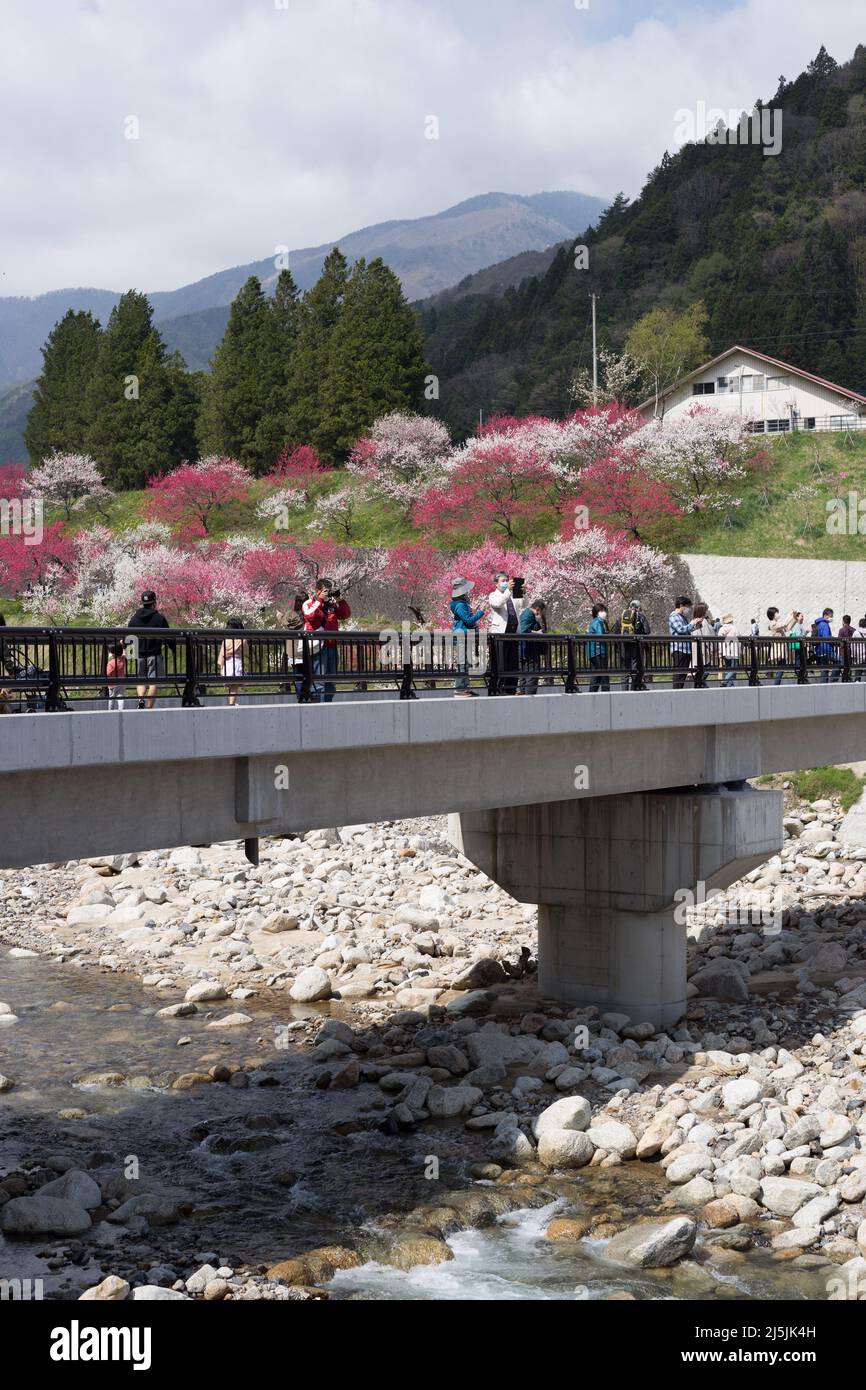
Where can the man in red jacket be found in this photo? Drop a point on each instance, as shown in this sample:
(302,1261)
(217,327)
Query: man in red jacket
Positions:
(324,612)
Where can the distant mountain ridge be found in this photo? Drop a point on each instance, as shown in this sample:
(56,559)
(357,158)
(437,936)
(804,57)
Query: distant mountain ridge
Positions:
(430,254)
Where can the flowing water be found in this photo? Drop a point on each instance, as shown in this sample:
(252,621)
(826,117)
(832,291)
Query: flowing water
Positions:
(264,1172)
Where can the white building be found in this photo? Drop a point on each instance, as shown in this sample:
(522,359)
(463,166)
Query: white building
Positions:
(772,396)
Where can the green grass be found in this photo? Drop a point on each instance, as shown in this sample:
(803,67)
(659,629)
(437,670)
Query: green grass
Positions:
(824,783)
(770,522)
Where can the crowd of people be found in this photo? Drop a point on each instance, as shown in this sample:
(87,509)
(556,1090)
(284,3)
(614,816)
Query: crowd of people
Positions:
(506,612)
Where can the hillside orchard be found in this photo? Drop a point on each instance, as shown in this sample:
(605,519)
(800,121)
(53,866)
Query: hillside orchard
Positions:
(584,507)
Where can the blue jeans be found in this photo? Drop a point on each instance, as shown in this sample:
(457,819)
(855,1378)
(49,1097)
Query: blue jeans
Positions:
(731,664)
(324,664)
(835,673)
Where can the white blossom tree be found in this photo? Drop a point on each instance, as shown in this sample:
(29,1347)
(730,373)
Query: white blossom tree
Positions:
(70,481)
(403,455)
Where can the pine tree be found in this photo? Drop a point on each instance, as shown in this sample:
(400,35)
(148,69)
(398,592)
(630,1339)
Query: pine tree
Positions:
(140,411)
(281,340)
(318,314)
(375,360)
(58,417)
(243,381)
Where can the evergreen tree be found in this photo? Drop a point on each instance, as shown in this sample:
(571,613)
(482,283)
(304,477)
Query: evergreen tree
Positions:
(243,383)
(318,313)
(376,358)
(281,340)
(140,412)
(58,416)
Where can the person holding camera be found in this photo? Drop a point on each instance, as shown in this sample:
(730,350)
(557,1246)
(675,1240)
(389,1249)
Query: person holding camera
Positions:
(506,604)
(323,613)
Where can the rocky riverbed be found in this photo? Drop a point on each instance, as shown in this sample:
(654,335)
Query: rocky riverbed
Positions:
(222,1081)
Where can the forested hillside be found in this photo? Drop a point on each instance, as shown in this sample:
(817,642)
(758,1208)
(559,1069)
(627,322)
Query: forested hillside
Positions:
(774,245)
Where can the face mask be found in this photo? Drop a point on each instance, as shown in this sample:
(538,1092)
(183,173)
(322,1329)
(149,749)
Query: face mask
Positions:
(502,585)
(602,613)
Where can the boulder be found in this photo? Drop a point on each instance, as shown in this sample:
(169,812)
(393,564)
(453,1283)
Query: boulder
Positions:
(613,1136)
(565,1148)
(721,979)
(37,1215)
(311,985)
(785,1196)
(654,1246)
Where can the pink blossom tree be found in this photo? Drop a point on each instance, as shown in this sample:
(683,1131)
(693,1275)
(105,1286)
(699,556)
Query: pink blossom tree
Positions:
(299,462)
(413,577)
(195,496)
(496,485)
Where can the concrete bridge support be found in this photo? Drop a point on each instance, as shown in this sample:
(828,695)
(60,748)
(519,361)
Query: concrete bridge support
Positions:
(610,874)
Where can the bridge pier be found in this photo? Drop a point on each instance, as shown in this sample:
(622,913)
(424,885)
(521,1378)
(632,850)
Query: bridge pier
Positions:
(611,875)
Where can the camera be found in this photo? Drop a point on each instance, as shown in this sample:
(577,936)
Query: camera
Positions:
(517,586)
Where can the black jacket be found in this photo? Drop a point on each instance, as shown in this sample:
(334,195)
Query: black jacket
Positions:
(149,618)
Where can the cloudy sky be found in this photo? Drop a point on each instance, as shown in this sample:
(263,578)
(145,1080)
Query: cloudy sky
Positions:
(263,123)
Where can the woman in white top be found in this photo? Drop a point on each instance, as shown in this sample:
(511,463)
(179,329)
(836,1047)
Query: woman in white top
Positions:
(231,658)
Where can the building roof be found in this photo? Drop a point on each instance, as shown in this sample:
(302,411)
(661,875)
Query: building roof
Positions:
(774,361)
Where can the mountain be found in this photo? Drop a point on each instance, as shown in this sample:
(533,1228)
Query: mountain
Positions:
(774,245)
(428,253)
(14,408)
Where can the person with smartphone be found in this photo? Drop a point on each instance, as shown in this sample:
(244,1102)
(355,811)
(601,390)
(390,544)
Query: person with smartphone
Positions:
(506,603)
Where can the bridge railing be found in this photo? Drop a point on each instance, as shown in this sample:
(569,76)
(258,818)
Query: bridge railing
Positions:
(46,668)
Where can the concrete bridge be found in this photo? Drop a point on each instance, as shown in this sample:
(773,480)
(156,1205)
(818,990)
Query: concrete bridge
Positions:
(598,808)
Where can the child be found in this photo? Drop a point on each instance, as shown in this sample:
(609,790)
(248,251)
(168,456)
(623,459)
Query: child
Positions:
(231,658)
(116,670)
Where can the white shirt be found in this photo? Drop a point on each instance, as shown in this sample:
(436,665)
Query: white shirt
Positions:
(498,602)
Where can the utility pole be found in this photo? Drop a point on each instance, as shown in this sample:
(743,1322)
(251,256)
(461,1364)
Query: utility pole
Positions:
(594,357)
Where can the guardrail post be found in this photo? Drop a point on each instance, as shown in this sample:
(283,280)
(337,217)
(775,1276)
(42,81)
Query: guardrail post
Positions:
(801,663)
(639,683)
(189,698)
(53,700)
(699,680)
(492,673)
(753,661)
(571,677)
(306,693)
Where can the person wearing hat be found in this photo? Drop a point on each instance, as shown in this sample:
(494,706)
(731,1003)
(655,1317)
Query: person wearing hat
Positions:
(151,661)
(464,621)
(730,649)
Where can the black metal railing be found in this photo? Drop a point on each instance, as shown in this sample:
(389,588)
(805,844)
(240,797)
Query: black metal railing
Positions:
(48,668)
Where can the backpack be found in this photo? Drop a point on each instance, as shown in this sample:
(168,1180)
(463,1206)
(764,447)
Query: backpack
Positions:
(627,623)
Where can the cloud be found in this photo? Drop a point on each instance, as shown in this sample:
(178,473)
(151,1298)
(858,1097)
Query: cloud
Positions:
(261,126)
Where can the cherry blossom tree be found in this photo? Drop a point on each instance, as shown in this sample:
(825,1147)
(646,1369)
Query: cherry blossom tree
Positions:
(40,574)
(403,454)
(594,565)
(299,462)
(338,511)
(413,577)
(70,481)
(617,491)
(279,506)
(195,496)
(699,453)
(495,485)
